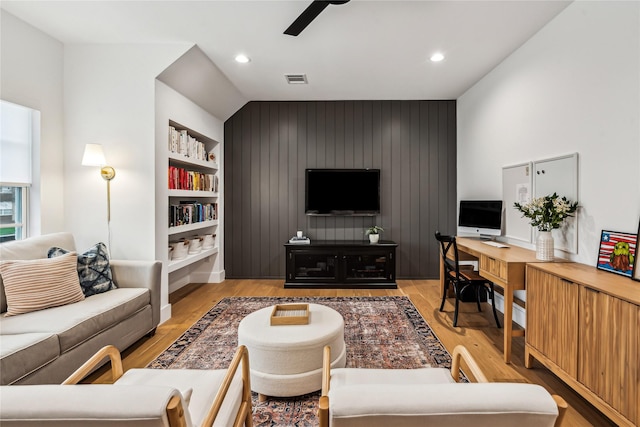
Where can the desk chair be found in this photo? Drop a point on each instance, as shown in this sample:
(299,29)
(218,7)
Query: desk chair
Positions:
(461,279)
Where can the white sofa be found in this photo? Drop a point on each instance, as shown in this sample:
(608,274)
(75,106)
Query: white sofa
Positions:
(45,346)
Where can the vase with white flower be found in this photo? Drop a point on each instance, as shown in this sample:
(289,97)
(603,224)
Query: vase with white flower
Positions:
(547,213)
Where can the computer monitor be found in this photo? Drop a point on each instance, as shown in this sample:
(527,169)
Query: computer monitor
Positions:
(480,217)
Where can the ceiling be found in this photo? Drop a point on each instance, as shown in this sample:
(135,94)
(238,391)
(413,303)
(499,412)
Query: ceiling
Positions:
(359,50)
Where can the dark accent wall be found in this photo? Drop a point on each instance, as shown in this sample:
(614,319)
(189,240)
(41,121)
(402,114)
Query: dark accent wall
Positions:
(268,146)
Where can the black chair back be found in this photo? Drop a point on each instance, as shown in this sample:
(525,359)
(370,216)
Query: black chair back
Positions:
(451,266)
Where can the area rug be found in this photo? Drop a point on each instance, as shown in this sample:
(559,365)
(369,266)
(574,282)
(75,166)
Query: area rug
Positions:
(380,332)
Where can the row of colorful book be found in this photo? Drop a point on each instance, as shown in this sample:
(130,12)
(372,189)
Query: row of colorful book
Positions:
(191,212)
(183,179)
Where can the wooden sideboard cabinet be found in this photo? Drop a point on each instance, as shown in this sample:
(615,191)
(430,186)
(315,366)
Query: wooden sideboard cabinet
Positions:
(583,324)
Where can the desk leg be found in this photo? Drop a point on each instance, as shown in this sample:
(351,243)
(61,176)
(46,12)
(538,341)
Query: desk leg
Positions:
(441,278)
(508,324)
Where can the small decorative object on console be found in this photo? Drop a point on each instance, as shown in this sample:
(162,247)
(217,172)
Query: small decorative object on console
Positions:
(374,233)
(300,239)
(618,252)
(546,213)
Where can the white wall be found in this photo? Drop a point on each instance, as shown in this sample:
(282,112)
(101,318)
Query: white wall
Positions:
(109,99)
(573,87)
(31,75)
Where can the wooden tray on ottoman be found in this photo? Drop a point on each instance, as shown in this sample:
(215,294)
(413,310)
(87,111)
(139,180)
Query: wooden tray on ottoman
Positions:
(290,314)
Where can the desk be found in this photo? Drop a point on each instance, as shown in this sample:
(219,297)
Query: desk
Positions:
(505,267)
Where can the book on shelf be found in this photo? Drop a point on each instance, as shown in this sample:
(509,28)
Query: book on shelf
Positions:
(182,143)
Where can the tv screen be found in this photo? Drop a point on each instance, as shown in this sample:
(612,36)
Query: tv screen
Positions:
(342,191)
(481,217)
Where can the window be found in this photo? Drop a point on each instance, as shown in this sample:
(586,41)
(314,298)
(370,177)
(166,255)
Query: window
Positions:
(16,138)
(13,212)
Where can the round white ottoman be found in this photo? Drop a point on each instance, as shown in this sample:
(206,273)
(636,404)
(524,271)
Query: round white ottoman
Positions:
(286,360)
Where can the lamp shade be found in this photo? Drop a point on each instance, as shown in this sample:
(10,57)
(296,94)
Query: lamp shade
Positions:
(93,155)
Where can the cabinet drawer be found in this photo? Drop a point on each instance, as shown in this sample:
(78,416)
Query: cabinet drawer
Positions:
(493,266)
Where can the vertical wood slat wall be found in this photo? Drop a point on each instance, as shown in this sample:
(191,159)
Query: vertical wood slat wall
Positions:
(269,144)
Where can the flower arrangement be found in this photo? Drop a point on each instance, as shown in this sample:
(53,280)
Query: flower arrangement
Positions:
(548,212)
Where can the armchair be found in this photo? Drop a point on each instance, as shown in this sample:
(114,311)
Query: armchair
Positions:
(354,397)
(139,397)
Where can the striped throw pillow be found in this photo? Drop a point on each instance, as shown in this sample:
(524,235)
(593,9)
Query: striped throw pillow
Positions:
(32,285)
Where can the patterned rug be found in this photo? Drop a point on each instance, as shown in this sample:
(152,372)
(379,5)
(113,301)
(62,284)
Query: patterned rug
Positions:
(380,332)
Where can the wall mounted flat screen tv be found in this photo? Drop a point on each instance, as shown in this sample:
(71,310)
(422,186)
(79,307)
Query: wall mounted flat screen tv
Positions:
(342,192)
(483,217)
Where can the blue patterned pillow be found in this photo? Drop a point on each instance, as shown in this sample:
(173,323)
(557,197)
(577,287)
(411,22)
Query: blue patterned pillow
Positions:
(94,271)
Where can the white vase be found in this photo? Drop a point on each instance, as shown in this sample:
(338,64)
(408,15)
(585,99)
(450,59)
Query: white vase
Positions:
(373,238)
(544,246)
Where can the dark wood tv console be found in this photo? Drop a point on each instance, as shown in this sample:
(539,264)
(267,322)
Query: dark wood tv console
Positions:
(341,264)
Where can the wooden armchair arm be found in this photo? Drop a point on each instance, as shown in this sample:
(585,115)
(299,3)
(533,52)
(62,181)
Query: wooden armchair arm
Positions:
(562,409)
(244,413)
(116,365)
(461,352)
(323,404)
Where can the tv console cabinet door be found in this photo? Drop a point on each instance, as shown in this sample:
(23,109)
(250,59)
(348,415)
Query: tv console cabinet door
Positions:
(312,266)
(367,266)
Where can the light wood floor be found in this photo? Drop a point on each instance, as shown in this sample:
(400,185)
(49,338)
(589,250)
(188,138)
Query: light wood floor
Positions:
(476,331)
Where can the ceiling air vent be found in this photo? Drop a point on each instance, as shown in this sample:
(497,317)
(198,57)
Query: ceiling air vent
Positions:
(293,79)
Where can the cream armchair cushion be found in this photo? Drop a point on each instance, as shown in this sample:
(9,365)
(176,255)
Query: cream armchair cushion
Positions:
(442,405)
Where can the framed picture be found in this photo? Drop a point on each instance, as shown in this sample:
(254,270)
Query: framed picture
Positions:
(636,268)
(617,252)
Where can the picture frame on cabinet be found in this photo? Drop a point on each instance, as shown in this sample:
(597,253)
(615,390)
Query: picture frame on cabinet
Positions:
(636,269)
(617,253)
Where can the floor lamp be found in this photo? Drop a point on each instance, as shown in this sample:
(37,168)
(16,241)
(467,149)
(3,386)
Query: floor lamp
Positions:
(94,156)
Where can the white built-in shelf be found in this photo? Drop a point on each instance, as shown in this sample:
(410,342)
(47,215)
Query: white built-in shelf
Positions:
(192,227)
(190,161)
(190,259)
(192,193)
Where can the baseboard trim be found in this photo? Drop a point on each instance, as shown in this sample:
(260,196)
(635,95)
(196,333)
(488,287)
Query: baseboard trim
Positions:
(207,277)
(165,313)
(519,313)
(181,282)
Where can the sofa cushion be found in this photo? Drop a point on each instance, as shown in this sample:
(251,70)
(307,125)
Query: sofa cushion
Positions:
(75,323)
(94,270)
(32,248)
(32,285)
(24,353)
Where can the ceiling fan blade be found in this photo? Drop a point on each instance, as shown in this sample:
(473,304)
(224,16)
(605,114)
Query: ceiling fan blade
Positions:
(305,18)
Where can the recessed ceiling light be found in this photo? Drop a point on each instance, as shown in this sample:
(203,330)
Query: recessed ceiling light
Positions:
(437,57)
(243,59)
